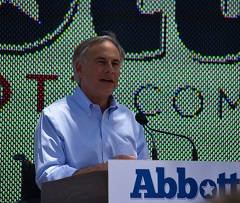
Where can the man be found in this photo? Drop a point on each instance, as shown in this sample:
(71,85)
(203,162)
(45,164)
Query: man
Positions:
(80,133)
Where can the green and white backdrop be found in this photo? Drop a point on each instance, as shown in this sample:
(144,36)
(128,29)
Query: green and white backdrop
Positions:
(181,70)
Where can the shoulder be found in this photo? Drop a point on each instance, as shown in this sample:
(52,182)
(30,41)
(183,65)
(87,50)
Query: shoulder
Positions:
(59,106)
(124,109)
(124,112)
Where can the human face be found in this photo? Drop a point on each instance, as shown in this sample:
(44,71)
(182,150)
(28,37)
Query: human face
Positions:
(99,74)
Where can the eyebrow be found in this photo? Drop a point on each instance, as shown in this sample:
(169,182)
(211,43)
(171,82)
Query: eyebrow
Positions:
(103,58)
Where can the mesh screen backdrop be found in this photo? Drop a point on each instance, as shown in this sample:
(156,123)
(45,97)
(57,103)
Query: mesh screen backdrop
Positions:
(181,70)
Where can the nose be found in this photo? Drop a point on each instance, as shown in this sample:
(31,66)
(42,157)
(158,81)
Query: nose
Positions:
(109,68)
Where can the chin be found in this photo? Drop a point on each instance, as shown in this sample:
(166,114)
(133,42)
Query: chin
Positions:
(107,93)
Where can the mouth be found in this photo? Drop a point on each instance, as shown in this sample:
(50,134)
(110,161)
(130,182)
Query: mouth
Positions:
(106,80)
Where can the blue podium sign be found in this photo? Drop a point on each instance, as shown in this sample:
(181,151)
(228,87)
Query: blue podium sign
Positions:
(176,181)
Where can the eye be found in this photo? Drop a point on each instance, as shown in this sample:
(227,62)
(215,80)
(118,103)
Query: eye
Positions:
(115,64)
(101,61)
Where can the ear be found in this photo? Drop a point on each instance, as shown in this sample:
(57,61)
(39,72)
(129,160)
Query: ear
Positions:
(79,69)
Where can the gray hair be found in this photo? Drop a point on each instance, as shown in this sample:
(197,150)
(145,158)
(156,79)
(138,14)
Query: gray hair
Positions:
(80,53)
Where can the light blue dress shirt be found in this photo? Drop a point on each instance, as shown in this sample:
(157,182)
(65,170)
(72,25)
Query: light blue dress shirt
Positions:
(73,133)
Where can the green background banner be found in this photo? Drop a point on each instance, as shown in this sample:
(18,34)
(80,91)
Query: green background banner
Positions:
(182,67)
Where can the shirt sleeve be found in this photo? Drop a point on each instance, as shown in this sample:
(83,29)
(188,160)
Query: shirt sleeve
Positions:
(142,147)
(50,160)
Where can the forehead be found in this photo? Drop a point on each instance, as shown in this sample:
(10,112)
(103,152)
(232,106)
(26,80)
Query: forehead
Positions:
(105,49)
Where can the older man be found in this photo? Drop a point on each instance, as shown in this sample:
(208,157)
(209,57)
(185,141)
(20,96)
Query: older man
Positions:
(81,132)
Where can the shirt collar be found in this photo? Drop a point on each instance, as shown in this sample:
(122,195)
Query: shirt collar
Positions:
(113,102)
(84,102)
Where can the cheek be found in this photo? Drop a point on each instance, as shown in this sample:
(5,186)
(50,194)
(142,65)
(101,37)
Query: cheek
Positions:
(117,76)
(92,75)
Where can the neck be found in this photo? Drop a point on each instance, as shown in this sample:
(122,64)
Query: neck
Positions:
(103,102)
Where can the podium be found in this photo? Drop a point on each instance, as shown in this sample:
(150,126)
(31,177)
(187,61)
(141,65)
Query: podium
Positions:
(85,188)
(146,182)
